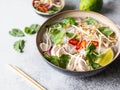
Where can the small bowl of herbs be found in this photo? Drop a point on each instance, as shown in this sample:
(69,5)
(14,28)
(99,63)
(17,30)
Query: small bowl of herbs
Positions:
(48,7)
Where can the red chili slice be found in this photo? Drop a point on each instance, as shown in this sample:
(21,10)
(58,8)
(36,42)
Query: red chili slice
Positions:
(73,41)
(95,43)
(81,45)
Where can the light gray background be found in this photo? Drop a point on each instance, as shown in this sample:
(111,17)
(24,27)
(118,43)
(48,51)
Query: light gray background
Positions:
(18,14)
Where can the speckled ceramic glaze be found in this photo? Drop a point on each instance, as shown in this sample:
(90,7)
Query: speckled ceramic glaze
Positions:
(78,13)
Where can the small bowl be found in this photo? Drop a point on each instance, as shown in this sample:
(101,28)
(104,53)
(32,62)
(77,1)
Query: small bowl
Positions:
(45,13)
(78,13)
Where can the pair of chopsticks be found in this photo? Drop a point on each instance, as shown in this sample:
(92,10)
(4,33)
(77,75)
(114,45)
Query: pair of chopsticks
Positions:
(23,74)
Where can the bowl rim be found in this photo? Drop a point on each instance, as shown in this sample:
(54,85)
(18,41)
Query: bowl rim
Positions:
(115,25)
(42,13)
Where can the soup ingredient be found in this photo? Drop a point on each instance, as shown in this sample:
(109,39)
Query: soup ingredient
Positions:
(106,31)
(69,34)
(81,44)
(106,57)
(61,61)
(57,36)
(91,5)
(69,21)
(73,41)
(91,56)
(16,32)
(19,45)
(91,21)
(32,29)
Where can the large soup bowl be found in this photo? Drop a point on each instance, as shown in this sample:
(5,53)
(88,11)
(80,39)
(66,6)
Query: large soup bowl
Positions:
(83,14)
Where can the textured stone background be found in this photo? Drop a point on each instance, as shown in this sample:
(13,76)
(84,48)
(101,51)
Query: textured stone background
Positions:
(19,13)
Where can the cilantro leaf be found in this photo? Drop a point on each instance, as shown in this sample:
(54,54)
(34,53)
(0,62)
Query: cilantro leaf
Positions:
(68,34)
(61,61)
(19,45)
(64,60)
(91,21)
(91,56)
(106,31)
(16,32)
(70,21)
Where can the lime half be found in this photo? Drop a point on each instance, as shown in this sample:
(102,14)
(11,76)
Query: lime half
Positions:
(91,5)
(106,57)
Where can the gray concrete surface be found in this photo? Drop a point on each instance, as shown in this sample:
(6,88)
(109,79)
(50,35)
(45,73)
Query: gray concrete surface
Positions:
(18,14)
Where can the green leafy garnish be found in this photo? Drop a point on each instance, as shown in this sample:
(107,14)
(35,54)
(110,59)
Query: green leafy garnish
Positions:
(91,56)
(64,60)
(91,21)
(68,34)
(19,45)
(16,32)
(57,25)
(70,21)
(77,37)
(106,31)
(32,29)
(57,36)
(61,61)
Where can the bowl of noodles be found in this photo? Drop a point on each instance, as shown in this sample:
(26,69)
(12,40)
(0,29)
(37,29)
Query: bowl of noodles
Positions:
(48,7)
(79,42)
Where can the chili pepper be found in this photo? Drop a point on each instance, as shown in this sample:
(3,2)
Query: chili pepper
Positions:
(45,8)
(81,45)
(73,41)
(40,8)
(95,43)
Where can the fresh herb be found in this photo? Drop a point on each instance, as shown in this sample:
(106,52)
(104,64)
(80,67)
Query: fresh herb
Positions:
(64,60)
(52,59)
(57,25)
(106,31)
(68,34)
(32,29)
(70,21)
(77,37)
(19,45)
(91,56)
(61,61)
(57,36)
(91,21)
(16,32)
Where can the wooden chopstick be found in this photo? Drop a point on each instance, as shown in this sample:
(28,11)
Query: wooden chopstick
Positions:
(23,74)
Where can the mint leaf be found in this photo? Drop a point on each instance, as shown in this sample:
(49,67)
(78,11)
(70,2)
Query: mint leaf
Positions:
(91,21)
(106,31)
(32,29)
(19,45)
(16,32)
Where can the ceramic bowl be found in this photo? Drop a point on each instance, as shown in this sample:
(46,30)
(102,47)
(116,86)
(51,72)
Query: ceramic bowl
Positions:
(78,13)
(45,13)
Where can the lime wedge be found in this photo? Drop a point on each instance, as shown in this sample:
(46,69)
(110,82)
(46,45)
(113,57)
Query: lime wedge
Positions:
(106,57)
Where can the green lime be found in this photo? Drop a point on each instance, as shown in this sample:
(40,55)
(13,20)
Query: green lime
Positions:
(91,5)
(106,57)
